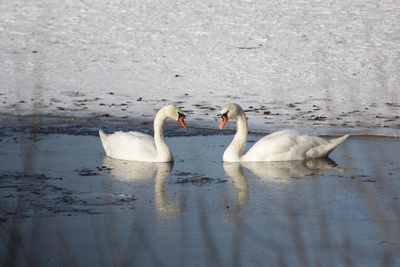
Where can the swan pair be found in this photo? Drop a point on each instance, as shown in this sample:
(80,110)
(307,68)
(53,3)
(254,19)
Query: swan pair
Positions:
(284,145)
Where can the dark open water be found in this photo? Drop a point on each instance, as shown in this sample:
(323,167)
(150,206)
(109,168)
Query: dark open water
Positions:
(62,202)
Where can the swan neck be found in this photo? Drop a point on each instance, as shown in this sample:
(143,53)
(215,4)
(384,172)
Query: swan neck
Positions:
(241,128)
(234,152)
(163,152)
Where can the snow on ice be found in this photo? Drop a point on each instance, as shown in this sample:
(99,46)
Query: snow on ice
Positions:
(304,64)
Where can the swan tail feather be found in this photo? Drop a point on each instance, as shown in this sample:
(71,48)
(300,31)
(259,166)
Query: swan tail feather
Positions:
(339,140)
(324,150)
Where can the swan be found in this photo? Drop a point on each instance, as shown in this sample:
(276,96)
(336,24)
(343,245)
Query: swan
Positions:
(137,146)
(284,145)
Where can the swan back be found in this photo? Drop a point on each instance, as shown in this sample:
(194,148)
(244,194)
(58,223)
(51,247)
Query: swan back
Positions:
(287,145)
(132,146)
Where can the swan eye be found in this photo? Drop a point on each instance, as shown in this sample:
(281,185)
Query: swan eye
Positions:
(225,114)
(181,115)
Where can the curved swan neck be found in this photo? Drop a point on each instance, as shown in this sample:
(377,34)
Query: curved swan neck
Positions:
(163,152)
(235,150)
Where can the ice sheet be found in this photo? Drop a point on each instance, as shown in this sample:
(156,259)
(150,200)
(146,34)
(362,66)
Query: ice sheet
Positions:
(306,64)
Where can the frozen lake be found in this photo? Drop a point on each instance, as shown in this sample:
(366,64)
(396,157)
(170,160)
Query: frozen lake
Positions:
(330,67)
(64,203)
(289,64)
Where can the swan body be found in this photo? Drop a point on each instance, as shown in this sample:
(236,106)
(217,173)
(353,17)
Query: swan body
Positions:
(137,146)
(284,145)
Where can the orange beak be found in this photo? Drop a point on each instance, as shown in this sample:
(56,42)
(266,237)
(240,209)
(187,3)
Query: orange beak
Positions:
(224,120)
(182,122)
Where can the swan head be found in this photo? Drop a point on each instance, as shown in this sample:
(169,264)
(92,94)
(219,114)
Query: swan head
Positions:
(230,111)
(175,113)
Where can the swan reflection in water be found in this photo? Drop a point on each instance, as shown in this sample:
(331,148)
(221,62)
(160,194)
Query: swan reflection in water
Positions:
(281,172)
(285,170)
(140,173)
(235,171)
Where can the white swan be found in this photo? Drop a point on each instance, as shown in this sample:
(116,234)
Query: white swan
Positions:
(285,145)
(137,146)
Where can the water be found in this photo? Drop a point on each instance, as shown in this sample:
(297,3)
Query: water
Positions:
(63,202)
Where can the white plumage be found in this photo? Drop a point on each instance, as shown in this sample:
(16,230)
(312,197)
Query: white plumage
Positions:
(137,146)
(285,145)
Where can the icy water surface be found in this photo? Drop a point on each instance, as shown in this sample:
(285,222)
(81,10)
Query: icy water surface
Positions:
(63,203)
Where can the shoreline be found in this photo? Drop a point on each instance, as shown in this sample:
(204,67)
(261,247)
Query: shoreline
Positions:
(88,125)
